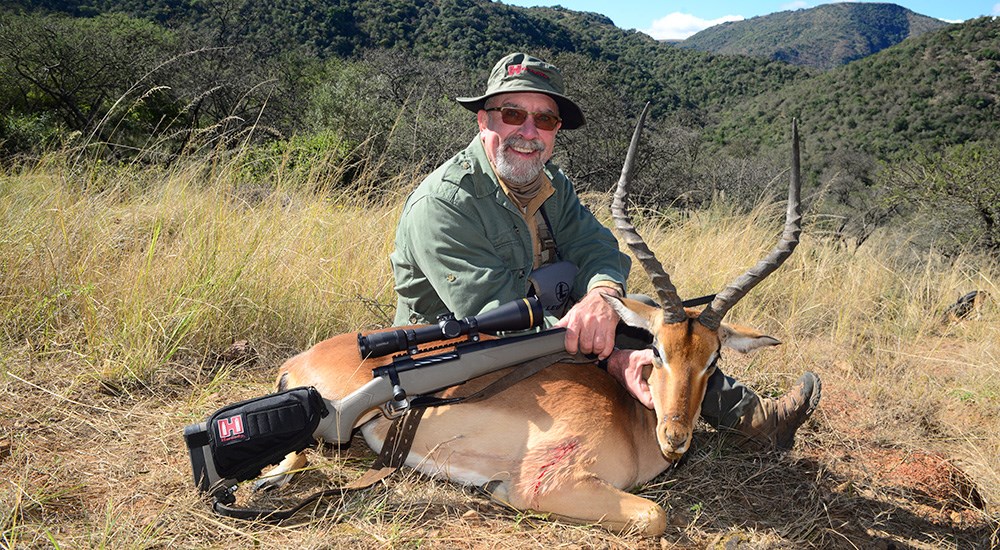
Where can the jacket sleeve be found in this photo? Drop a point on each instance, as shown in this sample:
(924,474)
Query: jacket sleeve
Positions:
(464,266)
(583,240)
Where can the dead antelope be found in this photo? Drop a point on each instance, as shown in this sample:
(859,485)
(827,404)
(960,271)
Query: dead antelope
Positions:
(569,440)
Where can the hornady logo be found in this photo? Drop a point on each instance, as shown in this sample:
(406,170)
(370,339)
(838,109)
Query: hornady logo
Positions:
(518,69)
(230,428)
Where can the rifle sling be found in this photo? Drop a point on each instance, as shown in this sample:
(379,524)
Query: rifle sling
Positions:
(399,440)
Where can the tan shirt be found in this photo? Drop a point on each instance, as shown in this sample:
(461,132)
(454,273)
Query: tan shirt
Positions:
(533,217)
(536,223)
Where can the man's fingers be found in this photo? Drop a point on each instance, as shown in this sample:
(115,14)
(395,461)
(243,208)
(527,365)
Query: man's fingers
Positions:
(571,342)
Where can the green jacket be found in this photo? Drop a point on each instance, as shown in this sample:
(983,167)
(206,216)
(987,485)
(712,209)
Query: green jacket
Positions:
(463,247)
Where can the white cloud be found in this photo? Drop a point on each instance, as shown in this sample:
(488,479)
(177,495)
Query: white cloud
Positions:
(678,26)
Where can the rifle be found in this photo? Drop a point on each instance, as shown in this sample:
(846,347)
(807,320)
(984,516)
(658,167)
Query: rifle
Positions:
(236,442)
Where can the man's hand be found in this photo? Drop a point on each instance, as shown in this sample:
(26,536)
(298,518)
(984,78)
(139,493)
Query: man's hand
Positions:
(627,366)
(590,324)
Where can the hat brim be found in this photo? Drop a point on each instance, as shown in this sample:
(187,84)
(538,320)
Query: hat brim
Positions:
(569,112)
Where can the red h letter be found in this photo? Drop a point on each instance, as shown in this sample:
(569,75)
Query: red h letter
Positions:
(230,428)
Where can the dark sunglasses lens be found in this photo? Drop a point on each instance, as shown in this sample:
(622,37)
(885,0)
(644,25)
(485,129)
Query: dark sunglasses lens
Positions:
(546,122)
(514,117)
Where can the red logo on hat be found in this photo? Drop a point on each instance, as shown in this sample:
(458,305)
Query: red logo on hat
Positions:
(518,69)
(538,73)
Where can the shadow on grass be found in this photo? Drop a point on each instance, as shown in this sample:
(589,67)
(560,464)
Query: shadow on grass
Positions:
(749,500)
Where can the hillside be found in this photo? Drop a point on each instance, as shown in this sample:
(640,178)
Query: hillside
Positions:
(323,82)
(930,92)
(825,36)
(473,32)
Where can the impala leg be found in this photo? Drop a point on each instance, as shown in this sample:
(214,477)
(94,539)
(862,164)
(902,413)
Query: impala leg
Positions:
(281,474)
(593,500)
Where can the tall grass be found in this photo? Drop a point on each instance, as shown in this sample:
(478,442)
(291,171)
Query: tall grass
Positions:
(133,275)
(130,270)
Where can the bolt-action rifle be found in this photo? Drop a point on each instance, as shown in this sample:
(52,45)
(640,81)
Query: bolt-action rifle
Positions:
(236,442)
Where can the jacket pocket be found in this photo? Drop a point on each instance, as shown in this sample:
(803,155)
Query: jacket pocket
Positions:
(510,248)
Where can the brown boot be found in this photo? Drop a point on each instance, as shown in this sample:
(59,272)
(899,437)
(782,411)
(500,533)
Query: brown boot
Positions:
(771,423)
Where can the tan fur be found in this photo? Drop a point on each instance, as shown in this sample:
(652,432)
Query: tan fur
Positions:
(567,441)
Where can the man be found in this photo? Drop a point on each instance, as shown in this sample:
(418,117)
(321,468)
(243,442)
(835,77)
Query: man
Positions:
(480,227)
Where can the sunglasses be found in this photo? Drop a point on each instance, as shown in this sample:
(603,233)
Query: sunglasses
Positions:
(516,117)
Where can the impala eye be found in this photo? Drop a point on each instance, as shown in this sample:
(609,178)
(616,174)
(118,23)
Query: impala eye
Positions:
(713,365)
(656,351)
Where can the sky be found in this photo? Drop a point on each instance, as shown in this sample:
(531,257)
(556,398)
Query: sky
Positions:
(678,19)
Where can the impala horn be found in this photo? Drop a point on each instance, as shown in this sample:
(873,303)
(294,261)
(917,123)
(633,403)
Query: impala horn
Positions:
(673,309)
(712,315)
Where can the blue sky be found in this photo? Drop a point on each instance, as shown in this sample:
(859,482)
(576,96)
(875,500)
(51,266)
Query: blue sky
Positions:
(677,19)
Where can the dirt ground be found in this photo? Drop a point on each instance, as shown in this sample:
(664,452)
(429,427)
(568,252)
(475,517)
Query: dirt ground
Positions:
(89,464)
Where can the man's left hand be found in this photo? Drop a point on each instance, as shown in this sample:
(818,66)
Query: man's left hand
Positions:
(590,324)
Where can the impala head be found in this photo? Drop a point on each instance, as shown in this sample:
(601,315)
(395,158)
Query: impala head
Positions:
(686,342)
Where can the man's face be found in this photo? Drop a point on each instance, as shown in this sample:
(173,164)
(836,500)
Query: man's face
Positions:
(519,152)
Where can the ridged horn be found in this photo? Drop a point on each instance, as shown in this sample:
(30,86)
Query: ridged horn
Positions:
(673,309)
(712,316)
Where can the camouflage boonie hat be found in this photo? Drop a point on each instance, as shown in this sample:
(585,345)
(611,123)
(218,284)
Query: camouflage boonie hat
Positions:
(520,72)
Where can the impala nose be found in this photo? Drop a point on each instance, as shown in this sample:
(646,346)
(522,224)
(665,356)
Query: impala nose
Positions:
(674,437)
(678,442)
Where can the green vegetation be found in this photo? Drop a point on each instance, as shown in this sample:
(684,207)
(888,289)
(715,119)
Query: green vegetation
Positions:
(869,122)
(826,36)
(369,86)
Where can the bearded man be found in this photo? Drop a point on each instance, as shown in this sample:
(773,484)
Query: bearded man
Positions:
(482,228)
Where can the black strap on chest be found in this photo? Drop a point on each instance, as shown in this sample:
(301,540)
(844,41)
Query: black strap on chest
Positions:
(548,248)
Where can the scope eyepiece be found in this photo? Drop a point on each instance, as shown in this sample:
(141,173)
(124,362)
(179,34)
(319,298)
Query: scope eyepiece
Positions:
(517,315)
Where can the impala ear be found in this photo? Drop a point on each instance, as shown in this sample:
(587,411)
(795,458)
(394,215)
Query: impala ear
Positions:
(635,314)
(744,339)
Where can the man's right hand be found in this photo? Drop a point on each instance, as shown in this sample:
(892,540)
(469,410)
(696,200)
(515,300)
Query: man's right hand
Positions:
(627,366)
(590,324)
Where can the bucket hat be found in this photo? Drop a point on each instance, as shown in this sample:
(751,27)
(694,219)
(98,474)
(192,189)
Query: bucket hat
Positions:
(519,72)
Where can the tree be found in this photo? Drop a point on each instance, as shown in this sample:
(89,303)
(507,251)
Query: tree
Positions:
(76,68)
(957,188)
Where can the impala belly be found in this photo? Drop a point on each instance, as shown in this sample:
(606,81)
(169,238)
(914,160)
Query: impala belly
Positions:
(570,426)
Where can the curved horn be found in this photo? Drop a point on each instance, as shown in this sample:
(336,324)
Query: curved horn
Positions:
(712,316)
(673,309)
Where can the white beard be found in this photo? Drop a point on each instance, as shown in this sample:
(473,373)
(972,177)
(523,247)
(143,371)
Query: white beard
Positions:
(516,171)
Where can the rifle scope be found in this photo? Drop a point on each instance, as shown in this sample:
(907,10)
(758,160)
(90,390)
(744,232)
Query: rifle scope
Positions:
(517,315)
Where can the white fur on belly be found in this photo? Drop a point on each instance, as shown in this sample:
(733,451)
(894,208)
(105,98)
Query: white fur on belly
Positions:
(431,464)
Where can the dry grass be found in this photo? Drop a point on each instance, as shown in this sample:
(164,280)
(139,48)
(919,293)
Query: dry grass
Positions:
(121,290)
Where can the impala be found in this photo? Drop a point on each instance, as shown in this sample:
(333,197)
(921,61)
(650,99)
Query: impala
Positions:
(569,440)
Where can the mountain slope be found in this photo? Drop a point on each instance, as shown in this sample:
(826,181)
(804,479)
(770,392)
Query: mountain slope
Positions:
(825,36)
(473,32)
(930,92)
